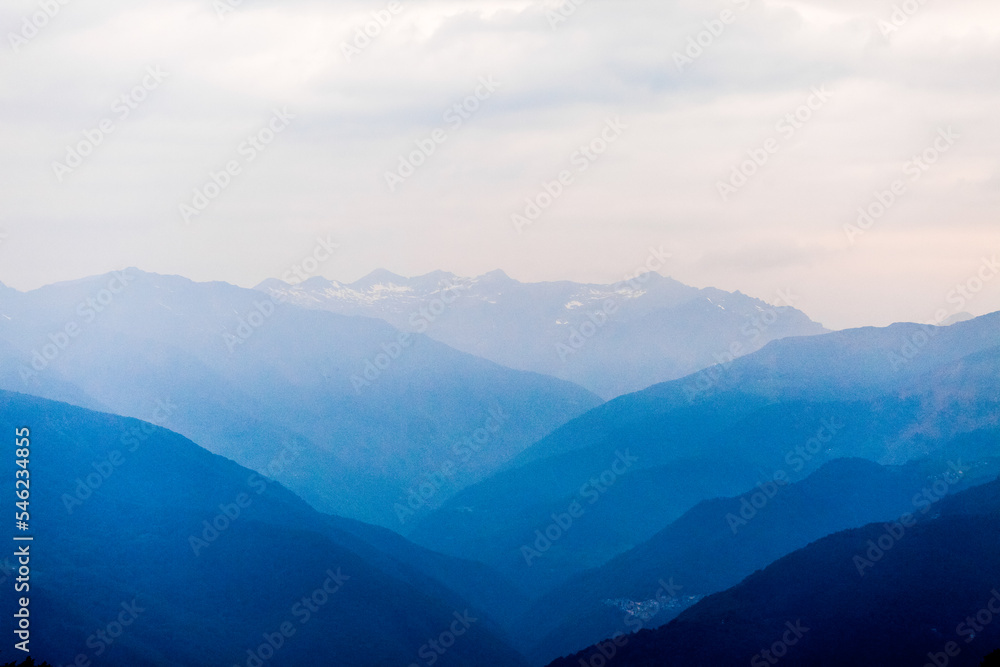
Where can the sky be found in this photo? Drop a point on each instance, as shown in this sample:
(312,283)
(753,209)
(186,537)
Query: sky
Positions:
(842,152)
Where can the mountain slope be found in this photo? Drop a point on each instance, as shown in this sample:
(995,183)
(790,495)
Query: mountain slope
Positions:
(881,595)
(184,543)
(790,407)
(375,419)
(719,542)
(611,339)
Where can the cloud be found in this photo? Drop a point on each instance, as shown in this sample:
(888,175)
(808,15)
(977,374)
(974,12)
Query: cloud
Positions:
(355,117)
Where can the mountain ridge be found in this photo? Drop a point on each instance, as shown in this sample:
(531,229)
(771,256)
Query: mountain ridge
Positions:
(250,374)
(612,339)
(184,535)
(882,594)
(790,407)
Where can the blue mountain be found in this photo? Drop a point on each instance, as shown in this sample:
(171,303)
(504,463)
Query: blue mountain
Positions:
(918,590)
(383,425)
(888,395)
(611,339)
(149,550)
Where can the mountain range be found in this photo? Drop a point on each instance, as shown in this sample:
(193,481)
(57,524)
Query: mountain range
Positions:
(208,563)
(719,542)
(787,408)
(919,590)
(405,481)
(250,378)
(611,339)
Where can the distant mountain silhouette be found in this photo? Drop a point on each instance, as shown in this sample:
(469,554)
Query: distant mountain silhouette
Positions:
(721,541)
(384,429)
(885,594)
(789,407)
(611,339)
(165,554)
(958,317)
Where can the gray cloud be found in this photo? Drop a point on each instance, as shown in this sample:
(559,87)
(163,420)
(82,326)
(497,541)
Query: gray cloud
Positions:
(656,185)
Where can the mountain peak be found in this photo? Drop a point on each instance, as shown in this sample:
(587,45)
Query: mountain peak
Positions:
(315,282)
(130,274)
(378,277)
(437,275)
(958,317)
(271,283)
(497,275)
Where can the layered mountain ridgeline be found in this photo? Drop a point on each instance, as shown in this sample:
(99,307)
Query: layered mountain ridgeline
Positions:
(153,551)
(916,591)
(357,418)
(611,339)
(888,395)
(721,541)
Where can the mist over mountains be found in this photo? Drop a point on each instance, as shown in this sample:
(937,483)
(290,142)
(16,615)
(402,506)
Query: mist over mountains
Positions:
(192,545)
(210,457)
(521,333)
(611,339)
(721,541)
(786,409)
(904,592)
(248,377)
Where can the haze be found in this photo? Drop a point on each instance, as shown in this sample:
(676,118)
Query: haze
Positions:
(214,73)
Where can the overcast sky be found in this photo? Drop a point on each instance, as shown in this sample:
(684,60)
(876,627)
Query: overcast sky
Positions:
(679,126)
